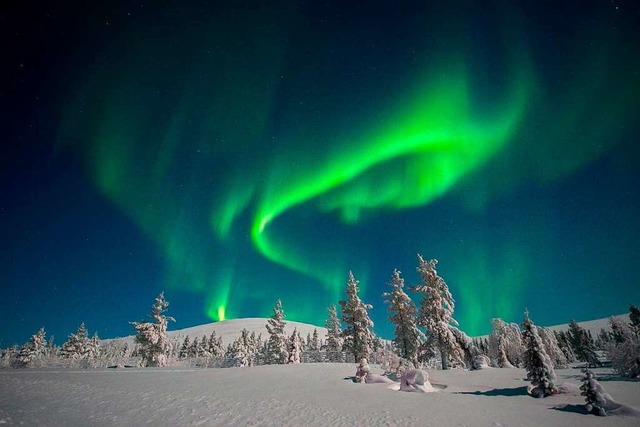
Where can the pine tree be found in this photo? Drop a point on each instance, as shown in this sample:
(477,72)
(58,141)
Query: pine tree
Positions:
(93,347)
(76,346)
(565,346)
(215,346)
(238,353)
(152,337)
(33,349)
(537,362)
(295,344)
(184,349)
(402,314)
(277,344)
(582,345)
(314,342)
(334,335)
(436,313)
(193,349)
(358,338)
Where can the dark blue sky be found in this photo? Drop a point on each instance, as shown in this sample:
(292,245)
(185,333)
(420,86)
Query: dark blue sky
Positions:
(234,154)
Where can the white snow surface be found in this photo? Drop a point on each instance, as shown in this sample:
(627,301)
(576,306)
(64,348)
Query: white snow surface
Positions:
(291,395)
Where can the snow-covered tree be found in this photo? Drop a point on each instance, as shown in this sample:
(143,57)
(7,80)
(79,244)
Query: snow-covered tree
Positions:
(582,344)
(624,349)
(238,353)
(402,313)
(552,348)
(358,337)
(565,346)
(436,313)
(33,349)
(334,331)
(505,344)
(537,362)
(294,347)
(620,330)
(593,394)
(77,345)
(277,344)
(634,320)
(469,350)
(314,341)
(152,337)
(184,349)
(214,344)
(93,347)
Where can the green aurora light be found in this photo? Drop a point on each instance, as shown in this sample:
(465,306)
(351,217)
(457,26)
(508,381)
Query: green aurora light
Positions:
(205,150)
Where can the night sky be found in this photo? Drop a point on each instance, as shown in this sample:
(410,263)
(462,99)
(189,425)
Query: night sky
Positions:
(234,153)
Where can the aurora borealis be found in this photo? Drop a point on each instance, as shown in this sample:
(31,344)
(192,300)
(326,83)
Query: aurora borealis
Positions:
(234,153)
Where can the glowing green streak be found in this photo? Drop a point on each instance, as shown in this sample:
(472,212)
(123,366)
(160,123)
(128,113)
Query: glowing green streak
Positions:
(438,140)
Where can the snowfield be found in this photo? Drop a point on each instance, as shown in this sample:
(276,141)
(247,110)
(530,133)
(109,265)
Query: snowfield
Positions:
(295,395)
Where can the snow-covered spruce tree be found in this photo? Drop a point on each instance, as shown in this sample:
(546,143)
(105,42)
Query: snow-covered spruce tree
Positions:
(294,347)
(402,313)
(32,350)
(77,344)
(552,348)
(93,347)
(334,335)
(215,347)
(152,338)
(184,349)
(277,344)
(357,334)
(537,362)
(314,343)
(436,313)
(238,353)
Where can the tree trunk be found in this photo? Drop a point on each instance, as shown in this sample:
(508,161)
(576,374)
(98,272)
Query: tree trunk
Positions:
(445,359)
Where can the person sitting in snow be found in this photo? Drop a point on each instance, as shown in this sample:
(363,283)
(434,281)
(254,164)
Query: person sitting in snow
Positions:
(362,370)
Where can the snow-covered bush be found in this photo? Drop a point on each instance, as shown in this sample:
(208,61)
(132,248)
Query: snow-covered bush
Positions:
(416,380)
(362,371)
(393,365)
(593,394)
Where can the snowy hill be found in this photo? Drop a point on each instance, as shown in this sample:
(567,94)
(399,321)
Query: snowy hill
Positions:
(230,330)
(593,326)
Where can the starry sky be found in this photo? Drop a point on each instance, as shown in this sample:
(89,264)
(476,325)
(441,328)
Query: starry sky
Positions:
(233,153)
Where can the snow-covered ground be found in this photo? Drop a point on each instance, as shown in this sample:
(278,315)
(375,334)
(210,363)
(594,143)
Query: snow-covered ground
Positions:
(296,395)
